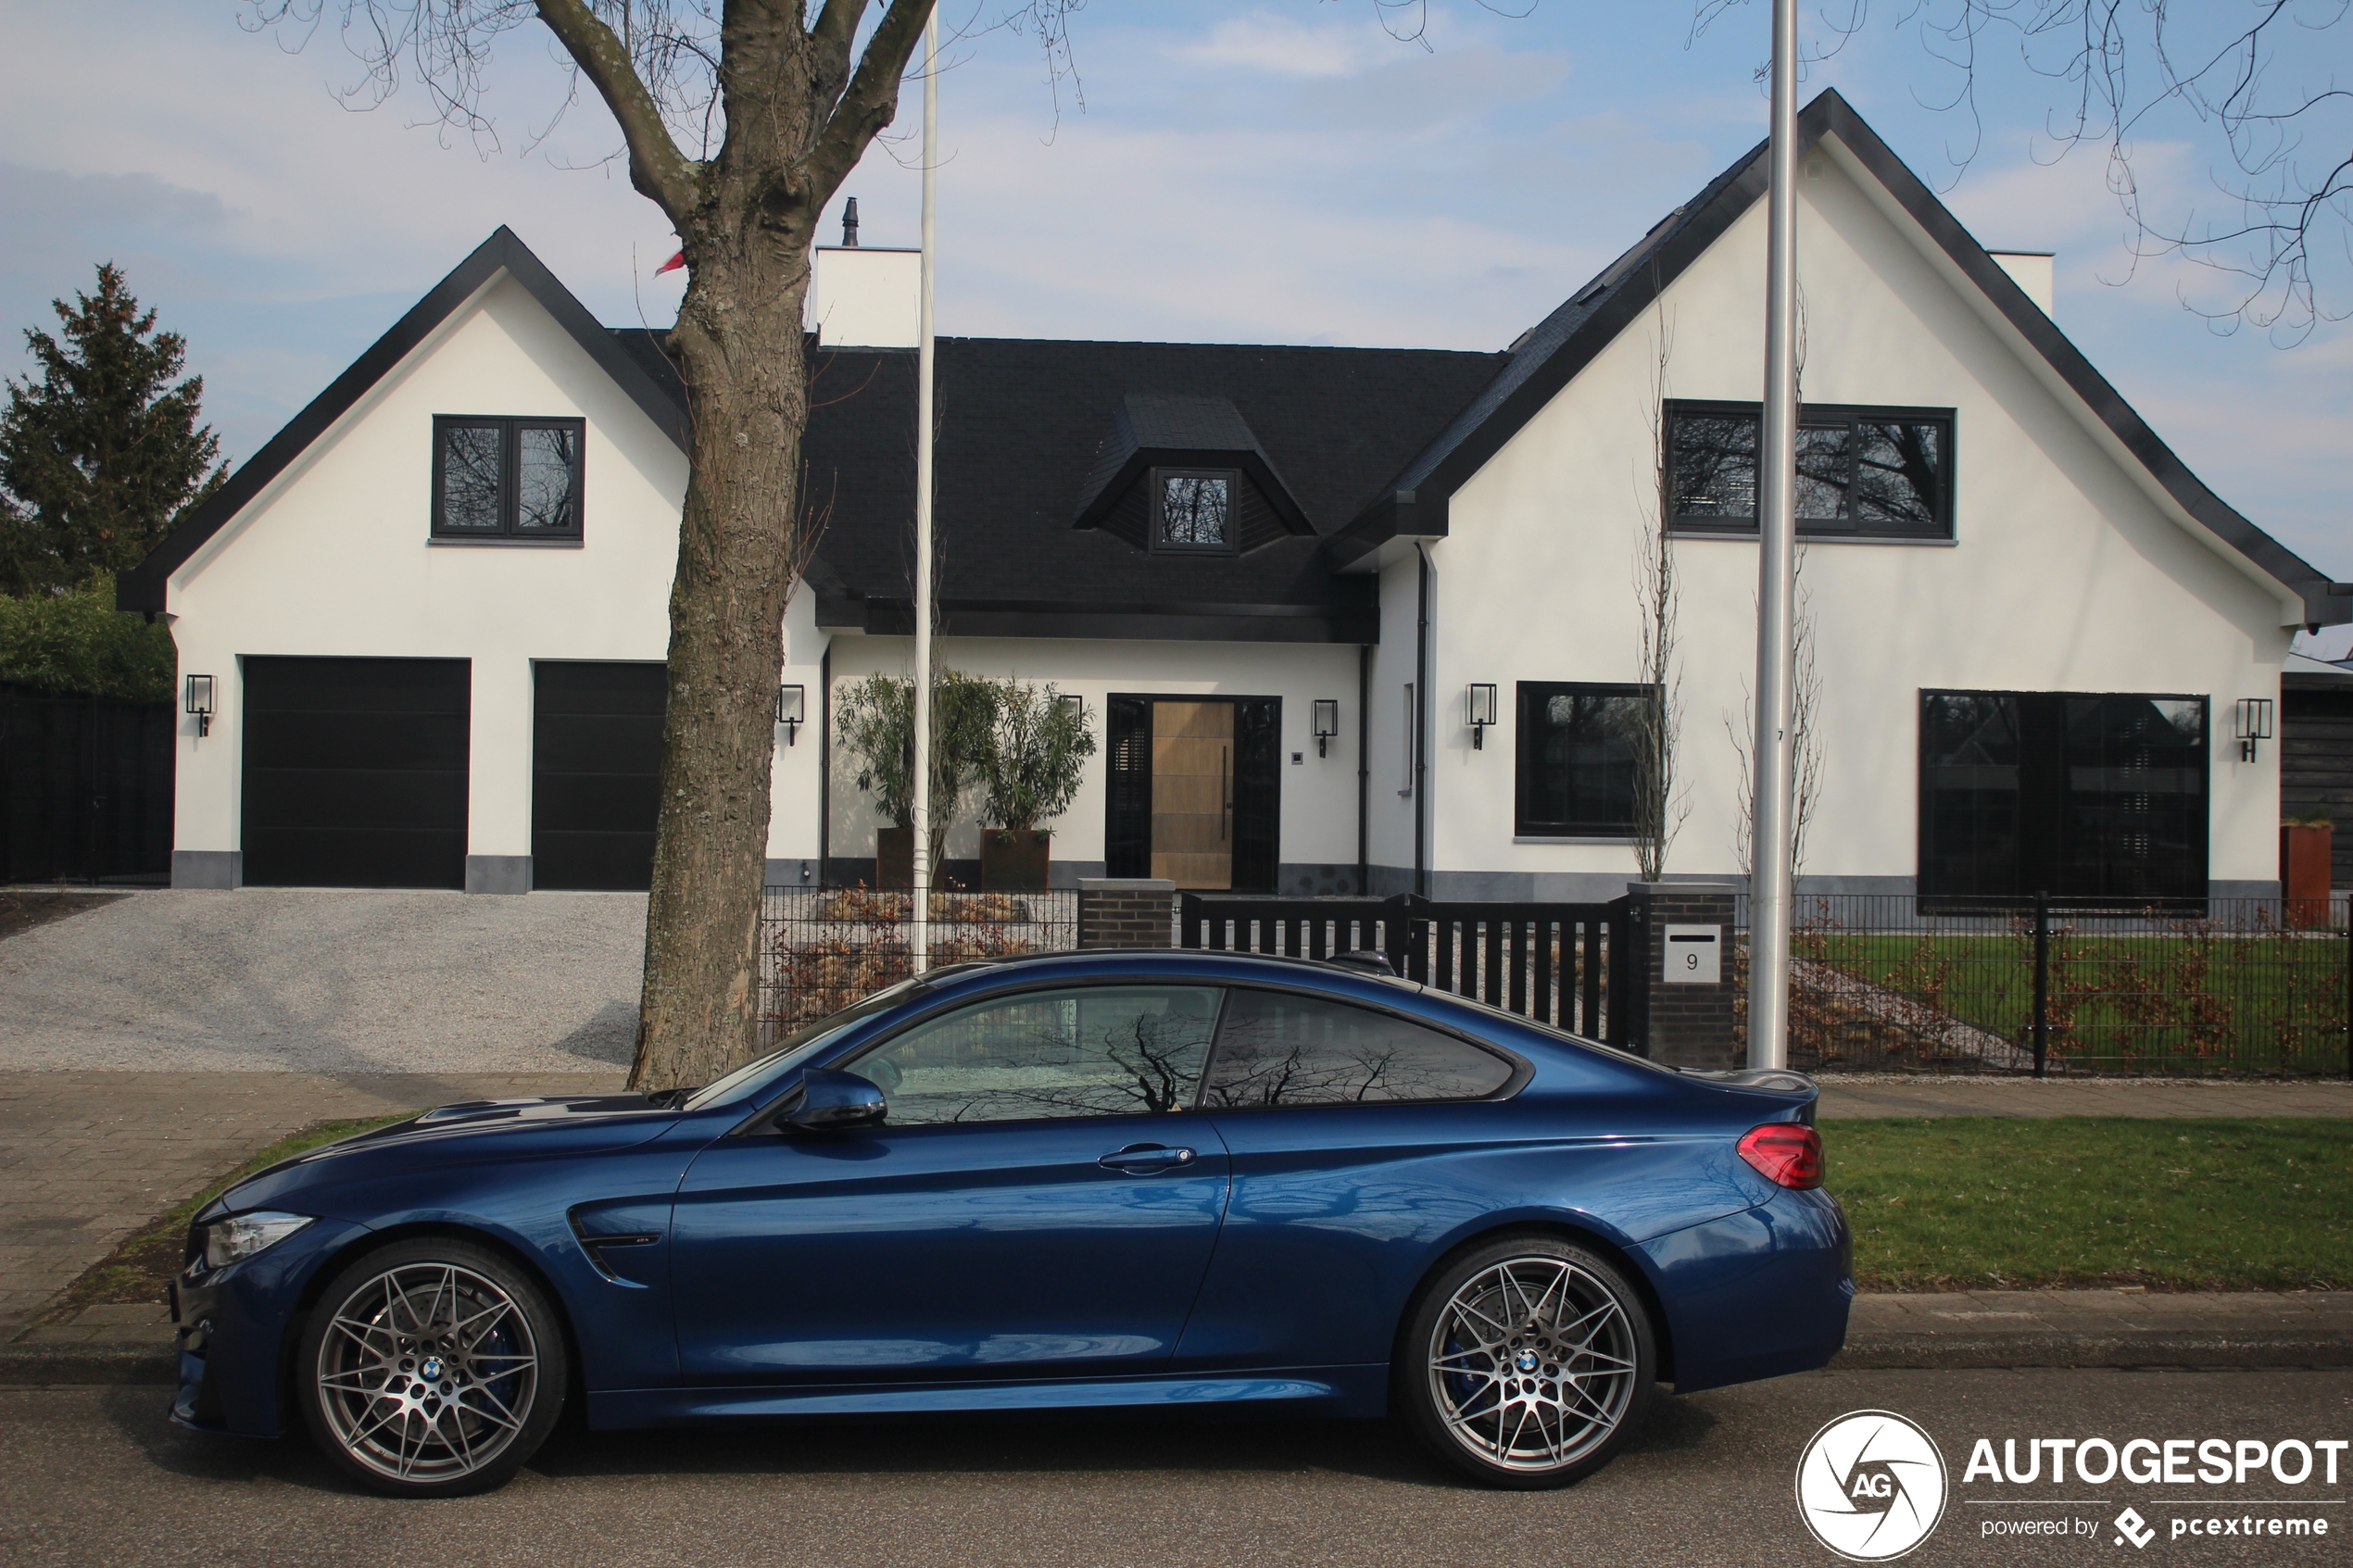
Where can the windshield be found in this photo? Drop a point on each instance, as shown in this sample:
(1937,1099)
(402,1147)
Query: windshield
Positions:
(803,1043)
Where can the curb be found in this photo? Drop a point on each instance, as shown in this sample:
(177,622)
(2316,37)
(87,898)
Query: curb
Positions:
(1962,1352)
(34,1366)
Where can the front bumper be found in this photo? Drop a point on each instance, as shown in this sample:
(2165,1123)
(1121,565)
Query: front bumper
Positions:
(233,1327)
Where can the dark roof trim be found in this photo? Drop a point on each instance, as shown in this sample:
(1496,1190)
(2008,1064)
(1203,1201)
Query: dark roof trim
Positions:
(1417,502)
(1174,621)
(143,586)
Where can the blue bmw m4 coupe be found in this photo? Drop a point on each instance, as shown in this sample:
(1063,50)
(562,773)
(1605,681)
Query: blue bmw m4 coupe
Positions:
(1087,1181)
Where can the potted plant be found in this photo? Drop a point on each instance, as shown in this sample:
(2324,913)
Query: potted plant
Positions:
(2307,849)
(876,717)
(1039,748)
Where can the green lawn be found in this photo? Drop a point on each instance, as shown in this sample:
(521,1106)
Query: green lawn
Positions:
(1947,1203)
(2268,1003)
(143,1263)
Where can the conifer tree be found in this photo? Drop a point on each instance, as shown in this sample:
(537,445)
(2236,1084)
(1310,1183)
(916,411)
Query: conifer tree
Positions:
(102,453)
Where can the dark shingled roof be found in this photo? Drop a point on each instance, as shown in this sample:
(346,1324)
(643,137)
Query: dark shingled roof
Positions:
(1022,423)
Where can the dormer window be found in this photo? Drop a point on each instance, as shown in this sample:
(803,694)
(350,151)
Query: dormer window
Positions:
(1194,507)
(507,479)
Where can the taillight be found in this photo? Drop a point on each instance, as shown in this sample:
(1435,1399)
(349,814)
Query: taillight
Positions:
(1785,1154)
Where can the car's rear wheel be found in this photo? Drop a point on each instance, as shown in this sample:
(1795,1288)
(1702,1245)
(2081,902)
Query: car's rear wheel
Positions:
(432,1368)
(1528,1362)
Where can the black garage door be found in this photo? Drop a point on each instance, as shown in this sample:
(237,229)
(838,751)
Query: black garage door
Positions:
(595,774)
(355,772)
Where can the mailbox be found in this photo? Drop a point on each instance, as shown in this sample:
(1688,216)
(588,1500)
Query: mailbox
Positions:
(1694,955)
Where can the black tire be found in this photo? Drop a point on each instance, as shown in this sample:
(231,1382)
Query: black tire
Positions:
(1526,1362)
(432,1368)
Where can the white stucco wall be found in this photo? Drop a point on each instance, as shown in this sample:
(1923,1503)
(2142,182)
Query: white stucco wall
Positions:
(1318,813)
(335,559)
(2066,574)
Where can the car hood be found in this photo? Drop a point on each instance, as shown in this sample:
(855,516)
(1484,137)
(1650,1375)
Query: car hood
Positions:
(465,1133)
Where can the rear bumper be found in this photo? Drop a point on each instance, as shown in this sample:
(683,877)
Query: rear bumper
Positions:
(1759,1294)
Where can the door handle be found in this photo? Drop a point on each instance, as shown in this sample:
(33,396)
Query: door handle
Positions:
(1147,1157)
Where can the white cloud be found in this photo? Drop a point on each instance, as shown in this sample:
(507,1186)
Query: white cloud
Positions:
(1281,45)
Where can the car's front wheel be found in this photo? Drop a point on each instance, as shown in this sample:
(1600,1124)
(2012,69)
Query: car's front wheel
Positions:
(432,1368)
(1529,1362)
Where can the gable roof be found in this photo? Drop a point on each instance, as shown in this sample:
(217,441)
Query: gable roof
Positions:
(1549,356)
(142,587)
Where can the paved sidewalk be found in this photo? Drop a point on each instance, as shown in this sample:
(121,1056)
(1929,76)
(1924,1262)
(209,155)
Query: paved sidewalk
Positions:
(1885,1095)
(2044,1328)
(89,1157)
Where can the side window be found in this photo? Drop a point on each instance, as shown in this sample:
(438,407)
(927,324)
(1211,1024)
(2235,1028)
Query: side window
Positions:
(499,478)
(1275,1048)
(1103,1050)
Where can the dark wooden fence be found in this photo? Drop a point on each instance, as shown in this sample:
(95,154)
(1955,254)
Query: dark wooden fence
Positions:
(1557,963)
(86,788)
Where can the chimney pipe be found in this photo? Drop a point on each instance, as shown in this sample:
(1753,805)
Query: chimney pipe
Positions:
(849,222)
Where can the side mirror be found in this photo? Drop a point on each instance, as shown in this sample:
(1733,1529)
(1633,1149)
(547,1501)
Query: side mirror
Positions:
(831,1101)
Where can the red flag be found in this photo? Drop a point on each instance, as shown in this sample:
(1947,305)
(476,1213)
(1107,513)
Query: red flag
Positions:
(671,265)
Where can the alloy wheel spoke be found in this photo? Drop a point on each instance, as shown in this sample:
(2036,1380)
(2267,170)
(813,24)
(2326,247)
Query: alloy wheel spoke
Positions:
(500,1416)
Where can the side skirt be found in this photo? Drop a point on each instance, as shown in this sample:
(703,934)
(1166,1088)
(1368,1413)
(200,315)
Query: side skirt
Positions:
(1307,1391)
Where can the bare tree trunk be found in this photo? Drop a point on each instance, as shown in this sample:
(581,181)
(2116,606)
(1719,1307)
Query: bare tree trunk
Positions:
(739,335)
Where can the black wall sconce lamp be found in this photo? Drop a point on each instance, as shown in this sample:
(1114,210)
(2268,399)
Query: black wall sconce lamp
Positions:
(1073,708)
(200,702)
(792,710)
(1326,725)
(2254,724)
(1481,704)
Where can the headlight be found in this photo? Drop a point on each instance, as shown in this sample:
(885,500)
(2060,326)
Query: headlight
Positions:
(241,1235)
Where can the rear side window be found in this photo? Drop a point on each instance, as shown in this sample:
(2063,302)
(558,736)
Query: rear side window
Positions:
(1276,1048)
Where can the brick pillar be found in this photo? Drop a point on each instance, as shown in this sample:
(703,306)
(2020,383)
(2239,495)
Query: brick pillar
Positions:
(1681,1020)
(1119,911)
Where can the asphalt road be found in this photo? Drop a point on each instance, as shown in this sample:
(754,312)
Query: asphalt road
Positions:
(95,1475)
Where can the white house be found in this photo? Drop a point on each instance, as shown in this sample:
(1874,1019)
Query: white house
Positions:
(433,610)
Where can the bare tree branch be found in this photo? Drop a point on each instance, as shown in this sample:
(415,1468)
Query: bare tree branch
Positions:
(660,172)
(2254,75)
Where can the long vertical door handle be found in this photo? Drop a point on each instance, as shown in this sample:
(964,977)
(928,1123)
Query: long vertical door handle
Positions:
(1226,779)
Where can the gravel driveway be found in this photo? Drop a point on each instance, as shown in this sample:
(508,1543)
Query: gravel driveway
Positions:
(328,980)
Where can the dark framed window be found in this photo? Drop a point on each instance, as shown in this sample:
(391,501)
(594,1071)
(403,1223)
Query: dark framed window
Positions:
(2090,797)
(1279,1048)
(1862,473)
(513,479)
(1194,508)
(1577,744)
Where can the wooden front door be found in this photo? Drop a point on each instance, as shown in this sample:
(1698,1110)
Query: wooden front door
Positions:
(1193,793)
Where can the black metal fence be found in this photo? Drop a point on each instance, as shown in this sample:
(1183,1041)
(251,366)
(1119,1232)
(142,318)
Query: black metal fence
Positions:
(86,788)
(823,948)
(1551,962)
(2240,986)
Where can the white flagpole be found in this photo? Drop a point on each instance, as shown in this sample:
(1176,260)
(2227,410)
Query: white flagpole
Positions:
(1769,873)
(919,943)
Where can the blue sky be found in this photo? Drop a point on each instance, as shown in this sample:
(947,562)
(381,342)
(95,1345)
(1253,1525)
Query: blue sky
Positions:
(1281,172)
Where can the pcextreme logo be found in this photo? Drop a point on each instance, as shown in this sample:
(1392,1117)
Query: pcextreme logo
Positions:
(1870,1486)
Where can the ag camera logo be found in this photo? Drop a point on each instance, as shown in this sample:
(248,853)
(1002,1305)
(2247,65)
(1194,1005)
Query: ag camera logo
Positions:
(1872,1486)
